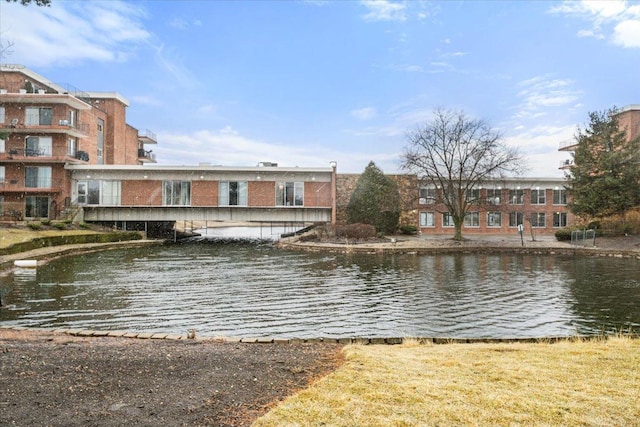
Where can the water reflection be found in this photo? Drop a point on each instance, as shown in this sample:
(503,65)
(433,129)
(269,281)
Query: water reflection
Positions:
(234,289)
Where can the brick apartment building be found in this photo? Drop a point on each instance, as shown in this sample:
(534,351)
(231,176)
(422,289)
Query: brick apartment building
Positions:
(45,126)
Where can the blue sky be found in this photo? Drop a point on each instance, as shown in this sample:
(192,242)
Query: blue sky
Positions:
(302,83)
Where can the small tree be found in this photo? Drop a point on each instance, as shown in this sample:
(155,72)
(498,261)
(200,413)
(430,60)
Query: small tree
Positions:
(457,154)
(375,200)
(604,179)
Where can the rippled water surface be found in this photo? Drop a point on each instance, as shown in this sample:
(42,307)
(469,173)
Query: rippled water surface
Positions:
(252,290)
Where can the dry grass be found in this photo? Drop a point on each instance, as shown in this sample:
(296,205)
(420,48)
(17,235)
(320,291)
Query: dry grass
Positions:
(13,235)
(572,383)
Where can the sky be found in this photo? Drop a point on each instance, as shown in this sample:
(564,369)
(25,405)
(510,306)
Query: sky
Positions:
(304,83)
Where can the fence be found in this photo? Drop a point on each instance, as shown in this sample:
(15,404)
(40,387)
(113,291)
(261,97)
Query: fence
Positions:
(583,237)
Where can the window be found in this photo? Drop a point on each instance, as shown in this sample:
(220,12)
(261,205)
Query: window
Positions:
(36,207)
(447,220)
(100,150)
(515,219)
(560,219)
(72,147)
(1,173)
(233,193)
(2,145)
(427,196)
(72,118)
(1,114)
(472,219)
(95,192)
(1,204)
(38,146)
(38,116)
(516,197)
(37,177)
(538,197)
(494,196)
(538,219)
(494,219)
(473,194)
(559,197)
(427,219)
(290,194)
(176,193)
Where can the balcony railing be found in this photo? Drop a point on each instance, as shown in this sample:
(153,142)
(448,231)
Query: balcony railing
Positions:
(567,145)
(564,164)
(146,156)
(59,124)
(147,137)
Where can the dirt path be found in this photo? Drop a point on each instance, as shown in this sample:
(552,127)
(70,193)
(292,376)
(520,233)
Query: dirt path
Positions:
(61,380)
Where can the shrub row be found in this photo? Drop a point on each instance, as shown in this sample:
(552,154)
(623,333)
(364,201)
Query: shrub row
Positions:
(355,231)
(42,242)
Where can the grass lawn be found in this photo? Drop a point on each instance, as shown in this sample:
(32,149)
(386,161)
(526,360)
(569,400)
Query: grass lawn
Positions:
(12,235)
(569,383)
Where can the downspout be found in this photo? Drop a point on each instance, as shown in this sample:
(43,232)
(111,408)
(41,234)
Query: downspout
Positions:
(334,204)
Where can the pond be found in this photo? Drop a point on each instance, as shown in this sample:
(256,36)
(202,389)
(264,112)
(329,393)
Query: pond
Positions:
(228,288)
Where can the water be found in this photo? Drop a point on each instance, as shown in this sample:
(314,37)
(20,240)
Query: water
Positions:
(252,290)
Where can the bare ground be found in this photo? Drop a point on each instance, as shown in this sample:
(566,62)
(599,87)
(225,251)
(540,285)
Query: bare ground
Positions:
(61,380)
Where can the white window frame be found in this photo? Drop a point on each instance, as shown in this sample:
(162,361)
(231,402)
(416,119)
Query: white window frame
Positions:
(43,148)
(472,220)
(2,115)
(427,219)
(538,197)
(558,221)
(538,216)
(516,196)
(176,193)
(290,193)
(447,220)
(514,216)
(43,176)
(491,219)
(561,196)
(33,116)
(2,173)
(224,193)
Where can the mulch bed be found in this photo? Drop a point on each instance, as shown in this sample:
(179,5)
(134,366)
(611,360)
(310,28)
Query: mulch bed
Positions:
(61,380)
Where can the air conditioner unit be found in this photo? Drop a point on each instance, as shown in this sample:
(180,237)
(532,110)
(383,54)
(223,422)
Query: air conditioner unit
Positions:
(64,122)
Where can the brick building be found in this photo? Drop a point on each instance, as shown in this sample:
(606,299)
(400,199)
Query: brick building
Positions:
(43,127)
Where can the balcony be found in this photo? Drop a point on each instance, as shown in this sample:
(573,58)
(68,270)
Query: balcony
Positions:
(58,125)
(147,137)
(44,98)
(35,186)
(568,145)
(145,156)
(22,155)
(566,164)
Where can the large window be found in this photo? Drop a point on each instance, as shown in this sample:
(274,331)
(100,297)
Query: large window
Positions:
(38,146)
(2,172)
(427,219)
(494,196)
(100,150)
(473,195)
(472,219)
(516,197)
(233,193)
(538,197)
(1,114)
(176,193)
(494,219)
(559,197)
(36,207)
(38,116)
(290,194)
(2,145)
(538,219)
(37,176)
(72,147)
(427,196)
(447,220)
(97,192)
(560,219)
(515,219)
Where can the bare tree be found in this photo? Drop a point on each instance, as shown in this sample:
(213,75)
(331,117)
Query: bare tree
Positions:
(457,154)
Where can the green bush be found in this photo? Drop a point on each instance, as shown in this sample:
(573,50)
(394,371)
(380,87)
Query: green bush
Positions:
(355,231)
(564,234)
(34,226)
(59,225)
(84,225)
(408,229)
(46,222)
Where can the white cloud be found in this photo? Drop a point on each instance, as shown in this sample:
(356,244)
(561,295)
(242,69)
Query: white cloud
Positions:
(384,10)
(627,33)
(541,93)
(68,32)
(611,19)
(182,24)
(367,113)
